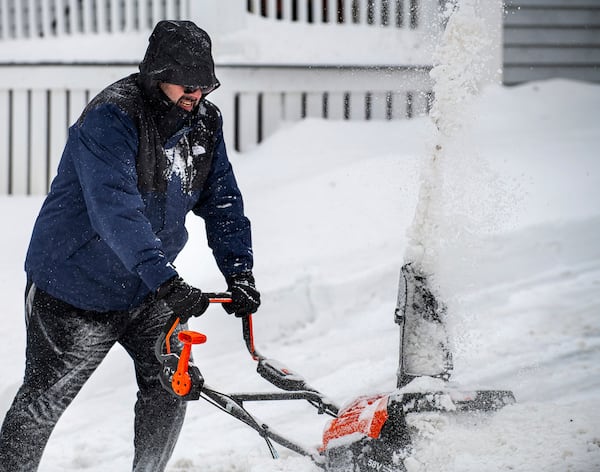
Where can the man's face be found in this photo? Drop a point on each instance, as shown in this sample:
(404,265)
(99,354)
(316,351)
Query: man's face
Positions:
(184,97)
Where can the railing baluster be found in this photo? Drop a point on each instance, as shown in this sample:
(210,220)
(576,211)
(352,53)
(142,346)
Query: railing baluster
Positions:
(4,141)
(292,106)
(247,113)
(376,12)
(363,12)
(45,20)
(129,12)
(60,17)
(156,11)
(32,25)
(329,11)
(378,109)
(114,16)
(101,17)
(38,143)
(4,23)
(20,149)
(89,17)
(335,105)
(271,12)
(286,10)
(347,11)
(57,127)
(397,13)
(272,111)
(357,106)
(170,13)
(18,9)
(72,17)
(314,105)
(77,102)
(144,16)
(302,11)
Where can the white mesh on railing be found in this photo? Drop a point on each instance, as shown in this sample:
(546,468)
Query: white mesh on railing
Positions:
(387,13)
(51,18)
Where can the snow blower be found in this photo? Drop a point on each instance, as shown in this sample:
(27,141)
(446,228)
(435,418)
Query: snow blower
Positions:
(370,433)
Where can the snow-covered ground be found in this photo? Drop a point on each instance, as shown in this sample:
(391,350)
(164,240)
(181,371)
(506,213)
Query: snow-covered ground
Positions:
(518,264)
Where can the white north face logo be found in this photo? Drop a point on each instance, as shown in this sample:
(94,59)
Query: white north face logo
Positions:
(197,149)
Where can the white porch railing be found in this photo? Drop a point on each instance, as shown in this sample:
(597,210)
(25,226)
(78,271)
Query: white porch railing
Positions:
(21,19)
(47,18)
(34,115)
(249,32)
(279,61)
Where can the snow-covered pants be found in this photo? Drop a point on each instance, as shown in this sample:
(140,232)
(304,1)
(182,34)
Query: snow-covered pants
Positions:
(64,347)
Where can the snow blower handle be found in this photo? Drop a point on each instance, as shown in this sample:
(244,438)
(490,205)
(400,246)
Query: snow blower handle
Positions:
(219,297)
(272,370)
(247,332)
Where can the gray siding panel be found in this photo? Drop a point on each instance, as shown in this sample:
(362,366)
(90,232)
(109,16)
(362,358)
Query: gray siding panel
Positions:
(551,3)
(552,17)
(518,74)
(551,38)
(552,55)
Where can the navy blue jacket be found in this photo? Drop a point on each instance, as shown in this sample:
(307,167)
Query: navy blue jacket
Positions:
(114,220)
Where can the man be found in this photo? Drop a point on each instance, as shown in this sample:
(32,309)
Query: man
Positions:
(146,151)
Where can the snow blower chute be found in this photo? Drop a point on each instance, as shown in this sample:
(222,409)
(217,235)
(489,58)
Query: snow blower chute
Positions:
(371,432)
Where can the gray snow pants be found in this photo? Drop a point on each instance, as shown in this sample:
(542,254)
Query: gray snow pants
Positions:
(64,347)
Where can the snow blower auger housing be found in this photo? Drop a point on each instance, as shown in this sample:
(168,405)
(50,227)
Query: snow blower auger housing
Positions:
(369,434)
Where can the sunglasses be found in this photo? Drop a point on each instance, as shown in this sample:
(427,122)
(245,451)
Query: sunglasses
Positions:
(193,89)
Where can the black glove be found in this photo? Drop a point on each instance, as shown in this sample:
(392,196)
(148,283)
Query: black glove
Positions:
(185,301)
(245,299)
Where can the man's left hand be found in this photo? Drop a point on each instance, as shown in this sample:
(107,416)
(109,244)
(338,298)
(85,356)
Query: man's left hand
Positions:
(245,299)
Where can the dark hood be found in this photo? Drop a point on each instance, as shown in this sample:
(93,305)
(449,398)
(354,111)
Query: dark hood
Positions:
(180,53)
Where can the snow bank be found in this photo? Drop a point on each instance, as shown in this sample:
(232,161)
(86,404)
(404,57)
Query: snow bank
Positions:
(330,204)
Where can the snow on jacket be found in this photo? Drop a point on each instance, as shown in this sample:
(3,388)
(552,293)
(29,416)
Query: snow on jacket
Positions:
(113,222)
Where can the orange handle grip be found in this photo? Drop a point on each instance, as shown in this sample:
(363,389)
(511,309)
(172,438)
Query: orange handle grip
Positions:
(182,382)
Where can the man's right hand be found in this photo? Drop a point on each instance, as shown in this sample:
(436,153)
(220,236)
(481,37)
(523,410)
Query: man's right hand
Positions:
(185,301)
